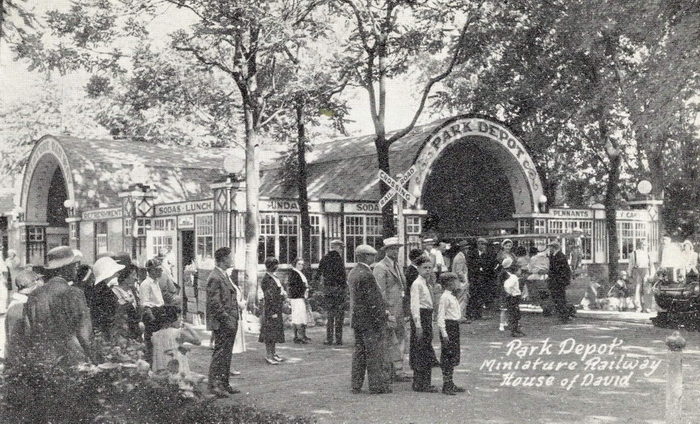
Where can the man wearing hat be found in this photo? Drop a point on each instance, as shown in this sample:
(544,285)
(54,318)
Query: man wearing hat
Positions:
(480,266)
(331,273)
(392,285)
(369,321)
(152,303)
(559,278)
(57,315)
(15,339)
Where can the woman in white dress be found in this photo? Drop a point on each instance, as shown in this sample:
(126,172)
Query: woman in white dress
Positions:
(298,293)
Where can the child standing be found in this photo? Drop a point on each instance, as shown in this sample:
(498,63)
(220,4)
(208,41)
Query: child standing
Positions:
(422,356)
(511,286)
(620,291)
(449,314)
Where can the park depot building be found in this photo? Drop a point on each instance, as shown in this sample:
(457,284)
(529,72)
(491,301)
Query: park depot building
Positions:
(471,176)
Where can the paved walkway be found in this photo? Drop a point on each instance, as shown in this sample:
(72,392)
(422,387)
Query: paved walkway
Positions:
(315,380)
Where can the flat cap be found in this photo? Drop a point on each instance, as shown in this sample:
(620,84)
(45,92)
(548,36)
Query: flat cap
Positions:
(365,249)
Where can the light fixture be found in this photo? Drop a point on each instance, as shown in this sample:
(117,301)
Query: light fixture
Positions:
(644,187)
(542,203)
(139,175)
(233,165)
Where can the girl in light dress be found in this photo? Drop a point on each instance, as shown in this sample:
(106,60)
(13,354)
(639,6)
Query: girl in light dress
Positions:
(169,349)
(298,293)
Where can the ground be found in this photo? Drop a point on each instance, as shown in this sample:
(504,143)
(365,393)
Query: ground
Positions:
(316,379)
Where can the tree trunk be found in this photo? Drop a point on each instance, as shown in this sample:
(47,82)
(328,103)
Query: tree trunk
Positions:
(611,191)
(252,215)
(388,227)
(302,186)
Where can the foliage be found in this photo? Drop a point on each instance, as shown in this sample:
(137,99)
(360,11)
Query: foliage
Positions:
(118,391)
(16,20)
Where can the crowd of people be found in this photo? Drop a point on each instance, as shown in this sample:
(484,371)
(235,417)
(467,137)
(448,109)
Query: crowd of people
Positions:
(57,310)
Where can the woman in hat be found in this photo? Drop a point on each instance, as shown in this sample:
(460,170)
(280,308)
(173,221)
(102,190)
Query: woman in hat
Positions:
(271,323)
(298,293)
(690,257)
(127,316)
(104,303)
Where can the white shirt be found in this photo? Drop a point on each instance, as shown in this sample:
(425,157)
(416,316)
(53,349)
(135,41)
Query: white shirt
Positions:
(439,260)
(150,294)
(512,285)
(448,309)
(420,298)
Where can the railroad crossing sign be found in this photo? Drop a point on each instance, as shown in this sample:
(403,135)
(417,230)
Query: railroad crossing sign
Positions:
(396,187)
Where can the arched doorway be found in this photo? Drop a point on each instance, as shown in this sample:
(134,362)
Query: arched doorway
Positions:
(46,186)
(472,176)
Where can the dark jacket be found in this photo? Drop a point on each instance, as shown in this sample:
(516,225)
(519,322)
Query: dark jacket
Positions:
(411,273)
(332,269)
(274,301)
(222,305)
(559,271)
(369,309)
(296,285)
(58,322)
(481,268)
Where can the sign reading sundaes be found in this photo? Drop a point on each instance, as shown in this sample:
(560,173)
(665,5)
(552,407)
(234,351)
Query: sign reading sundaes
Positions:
(492,131)
(568,363)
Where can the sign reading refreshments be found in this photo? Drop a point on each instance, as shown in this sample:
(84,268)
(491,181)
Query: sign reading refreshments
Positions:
(102,214)
(199,206)
(527,187)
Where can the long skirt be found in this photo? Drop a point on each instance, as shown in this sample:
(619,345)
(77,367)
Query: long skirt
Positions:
(271,329)
(449,353)
(422,355)
(299,316)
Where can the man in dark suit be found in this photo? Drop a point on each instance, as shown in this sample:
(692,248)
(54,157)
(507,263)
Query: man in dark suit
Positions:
(369,321)
(222,320)
(479,267)
(559,278)
(331,271)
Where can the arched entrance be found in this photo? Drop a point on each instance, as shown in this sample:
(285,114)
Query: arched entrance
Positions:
(472,176)
(47,184)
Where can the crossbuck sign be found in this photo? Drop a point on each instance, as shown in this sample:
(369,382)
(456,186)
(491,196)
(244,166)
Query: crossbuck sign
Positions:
(396,187)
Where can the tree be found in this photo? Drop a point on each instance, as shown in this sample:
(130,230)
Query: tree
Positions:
(15,20)
(386,38)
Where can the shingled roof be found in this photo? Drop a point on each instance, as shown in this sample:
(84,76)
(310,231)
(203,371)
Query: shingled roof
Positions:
(347,168)
(101,169)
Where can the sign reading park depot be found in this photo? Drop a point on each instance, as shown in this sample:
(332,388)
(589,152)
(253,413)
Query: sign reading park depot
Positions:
(517,163)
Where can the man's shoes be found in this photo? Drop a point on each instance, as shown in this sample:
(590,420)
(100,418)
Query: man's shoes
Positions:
(448,391)
(307,340)
(231,390)
(218,392)
(271,361)
(299,341)
(564,320)
(429,389)
(339,343)
(278,358)
(327,342)
(458,389)
(517,333)
(356,391)
(381,391)
(235,372)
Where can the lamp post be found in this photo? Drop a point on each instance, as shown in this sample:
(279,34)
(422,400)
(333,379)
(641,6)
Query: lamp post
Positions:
(542,202)
(137,204)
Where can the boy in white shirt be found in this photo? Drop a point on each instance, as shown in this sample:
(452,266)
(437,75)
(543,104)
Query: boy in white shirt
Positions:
(513,294)
(422,356)
(449,314)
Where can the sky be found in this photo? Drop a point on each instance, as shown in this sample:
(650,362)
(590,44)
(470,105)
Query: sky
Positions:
(17,83)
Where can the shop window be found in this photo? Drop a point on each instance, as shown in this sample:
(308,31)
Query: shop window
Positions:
(100,237)
(360,229)
(204,233)
(143,224)
(568,226)
(163,224)
(315,238)
(629,237)
(288,238)
(266,242)
(540,226)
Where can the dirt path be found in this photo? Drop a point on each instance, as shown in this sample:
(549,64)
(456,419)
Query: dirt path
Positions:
(315,381)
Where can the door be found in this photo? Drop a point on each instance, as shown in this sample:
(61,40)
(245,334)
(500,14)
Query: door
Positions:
(187,254)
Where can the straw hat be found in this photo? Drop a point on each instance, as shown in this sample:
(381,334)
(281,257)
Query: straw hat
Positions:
(392,242)
(365,249)
(60,256)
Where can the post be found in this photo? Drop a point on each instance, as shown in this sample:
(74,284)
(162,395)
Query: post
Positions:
(674,378)
(401,232)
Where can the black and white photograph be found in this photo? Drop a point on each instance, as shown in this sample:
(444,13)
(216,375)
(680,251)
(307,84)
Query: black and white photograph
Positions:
(350,211)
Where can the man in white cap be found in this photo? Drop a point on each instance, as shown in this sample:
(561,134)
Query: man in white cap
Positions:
(369,321)
(392,285)
(57,314)
(331,272)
